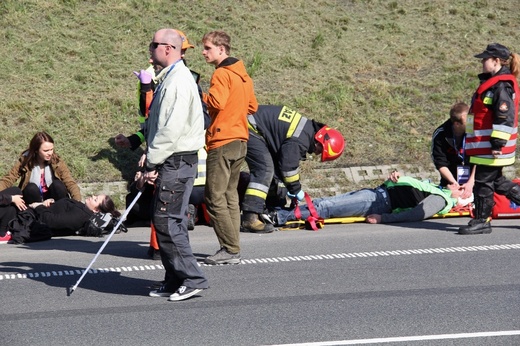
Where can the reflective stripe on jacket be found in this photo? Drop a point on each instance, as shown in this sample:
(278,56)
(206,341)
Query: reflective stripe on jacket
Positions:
(200,180)
(289,137)
(485,127)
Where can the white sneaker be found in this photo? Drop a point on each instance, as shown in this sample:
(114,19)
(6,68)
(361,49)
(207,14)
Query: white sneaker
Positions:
(184,292)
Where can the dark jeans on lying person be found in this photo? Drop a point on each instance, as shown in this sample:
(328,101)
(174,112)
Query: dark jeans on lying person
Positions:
(32,193)
(8,212)
(356,203)
(173,188)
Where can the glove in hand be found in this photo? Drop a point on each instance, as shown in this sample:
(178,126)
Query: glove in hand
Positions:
(144,77)
(300,195)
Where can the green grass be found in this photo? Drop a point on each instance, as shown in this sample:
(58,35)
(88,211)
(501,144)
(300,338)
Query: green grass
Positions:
(384,72)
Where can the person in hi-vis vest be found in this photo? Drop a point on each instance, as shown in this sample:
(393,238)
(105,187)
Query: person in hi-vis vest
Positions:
(491,133)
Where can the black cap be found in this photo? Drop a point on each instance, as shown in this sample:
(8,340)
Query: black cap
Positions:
(494,50)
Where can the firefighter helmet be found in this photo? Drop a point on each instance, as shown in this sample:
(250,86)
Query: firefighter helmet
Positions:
(332,142)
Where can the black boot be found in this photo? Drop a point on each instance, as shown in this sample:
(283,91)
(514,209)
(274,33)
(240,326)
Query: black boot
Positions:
(481,224)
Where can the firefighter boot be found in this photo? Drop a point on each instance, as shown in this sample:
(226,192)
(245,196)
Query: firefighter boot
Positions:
(481,224)
(251,223)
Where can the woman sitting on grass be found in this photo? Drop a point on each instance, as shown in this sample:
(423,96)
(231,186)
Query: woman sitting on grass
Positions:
(42,173)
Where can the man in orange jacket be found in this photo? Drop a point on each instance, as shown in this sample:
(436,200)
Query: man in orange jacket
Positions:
(230,99)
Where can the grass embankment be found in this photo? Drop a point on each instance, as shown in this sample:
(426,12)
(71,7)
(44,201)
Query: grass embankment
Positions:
(384,72)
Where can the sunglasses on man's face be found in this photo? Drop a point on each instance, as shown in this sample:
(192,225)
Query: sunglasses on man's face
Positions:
(154,45)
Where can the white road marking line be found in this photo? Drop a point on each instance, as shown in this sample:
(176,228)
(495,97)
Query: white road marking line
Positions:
(407,338)
(272,260)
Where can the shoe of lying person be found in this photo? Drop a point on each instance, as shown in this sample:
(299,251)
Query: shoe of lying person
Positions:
(6,238)
(270,217)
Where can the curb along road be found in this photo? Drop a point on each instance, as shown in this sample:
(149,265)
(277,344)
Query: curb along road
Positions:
(335,179)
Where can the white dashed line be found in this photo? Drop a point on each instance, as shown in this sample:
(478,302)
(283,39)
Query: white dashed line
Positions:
(272,260)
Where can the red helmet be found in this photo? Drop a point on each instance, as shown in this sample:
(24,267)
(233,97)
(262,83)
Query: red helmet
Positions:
(332,142)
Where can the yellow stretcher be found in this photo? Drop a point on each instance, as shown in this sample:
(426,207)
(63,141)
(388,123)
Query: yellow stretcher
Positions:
(302,224)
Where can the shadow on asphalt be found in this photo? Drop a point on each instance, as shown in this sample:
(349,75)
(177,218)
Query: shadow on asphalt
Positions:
(430,224)
(118,248)
(63,276)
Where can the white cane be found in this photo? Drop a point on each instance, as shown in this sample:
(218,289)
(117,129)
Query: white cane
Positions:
(123,218)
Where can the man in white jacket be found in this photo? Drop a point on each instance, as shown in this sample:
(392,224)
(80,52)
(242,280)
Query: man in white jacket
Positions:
(174,133)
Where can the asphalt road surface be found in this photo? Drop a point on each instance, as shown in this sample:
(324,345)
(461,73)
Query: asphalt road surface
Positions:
(403,284)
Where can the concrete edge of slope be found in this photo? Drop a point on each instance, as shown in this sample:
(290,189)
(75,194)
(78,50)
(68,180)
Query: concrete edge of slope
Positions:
(318,182)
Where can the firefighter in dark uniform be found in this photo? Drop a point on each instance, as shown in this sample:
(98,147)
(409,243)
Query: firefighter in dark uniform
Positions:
(278,139)
(491,133)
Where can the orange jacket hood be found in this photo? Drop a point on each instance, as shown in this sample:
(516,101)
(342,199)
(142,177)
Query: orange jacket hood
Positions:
(235,66)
